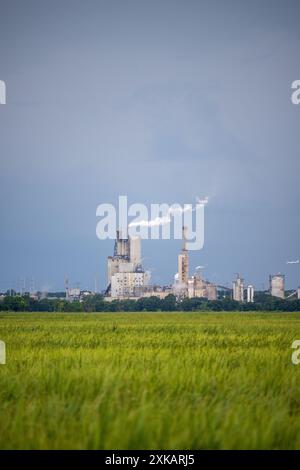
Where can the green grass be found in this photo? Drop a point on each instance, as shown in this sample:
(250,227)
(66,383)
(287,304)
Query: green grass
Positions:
(149,381)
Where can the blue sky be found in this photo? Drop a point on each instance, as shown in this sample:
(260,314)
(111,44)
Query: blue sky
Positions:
(162,101)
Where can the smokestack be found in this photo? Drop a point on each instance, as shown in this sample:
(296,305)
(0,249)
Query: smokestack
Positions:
(116,247)
(183,260)
(184,237)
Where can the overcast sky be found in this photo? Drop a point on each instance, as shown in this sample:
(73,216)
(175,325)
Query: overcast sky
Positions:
(162,101)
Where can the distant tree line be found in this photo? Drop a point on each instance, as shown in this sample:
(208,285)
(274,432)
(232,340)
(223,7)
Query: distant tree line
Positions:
(96,303)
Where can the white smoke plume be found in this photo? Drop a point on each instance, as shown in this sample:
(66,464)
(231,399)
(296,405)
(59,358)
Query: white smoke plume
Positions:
(167,219)
(151,223)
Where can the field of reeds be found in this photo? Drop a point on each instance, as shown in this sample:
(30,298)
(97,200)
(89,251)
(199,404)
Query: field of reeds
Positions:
(149,381)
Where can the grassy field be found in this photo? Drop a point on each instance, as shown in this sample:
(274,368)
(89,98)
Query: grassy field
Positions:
(152,381)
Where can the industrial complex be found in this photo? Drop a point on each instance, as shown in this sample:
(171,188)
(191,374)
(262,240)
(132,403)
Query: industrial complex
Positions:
(127,279)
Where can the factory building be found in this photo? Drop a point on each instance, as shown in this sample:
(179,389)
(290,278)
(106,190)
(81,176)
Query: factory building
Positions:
(238,289)
(250,294)
(125,275)
(277,282)
(198,287)
(158,291)
(73,294)
(128,284)
(194,286)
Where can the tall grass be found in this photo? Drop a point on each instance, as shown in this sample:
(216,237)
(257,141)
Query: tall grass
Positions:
(149,381)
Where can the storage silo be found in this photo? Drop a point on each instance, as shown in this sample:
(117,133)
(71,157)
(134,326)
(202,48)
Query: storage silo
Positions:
(277,282)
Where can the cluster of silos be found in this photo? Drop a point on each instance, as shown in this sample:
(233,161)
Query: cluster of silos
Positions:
(277,288)
(238,290)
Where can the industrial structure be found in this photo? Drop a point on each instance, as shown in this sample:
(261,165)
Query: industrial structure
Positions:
(72,293)
(199,287)
(250,294)
(125,275)
(238,289)
(277,285)
(194,286)
(180,287)
(158,291)
(183,261)
(75,294)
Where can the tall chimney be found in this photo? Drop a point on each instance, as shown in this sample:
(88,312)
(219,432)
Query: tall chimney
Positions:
(183,260)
